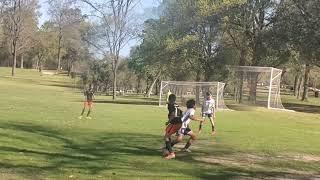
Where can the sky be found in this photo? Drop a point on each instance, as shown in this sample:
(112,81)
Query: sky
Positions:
(140,9)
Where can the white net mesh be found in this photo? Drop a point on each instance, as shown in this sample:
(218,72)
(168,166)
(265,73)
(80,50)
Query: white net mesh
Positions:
(256,85)
(192,90)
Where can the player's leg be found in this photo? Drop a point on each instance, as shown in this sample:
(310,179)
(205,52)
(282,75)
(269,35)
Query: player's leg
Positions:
(201,123)
(170,130)
(83,110)
(167,137)
(89,111)
(212,123)
(177,140)
(172,155)
(190,141)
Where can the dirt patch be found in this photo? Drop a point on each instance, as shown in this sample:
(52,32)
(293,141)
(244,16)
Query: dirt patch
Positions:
(262,166)
(306,158)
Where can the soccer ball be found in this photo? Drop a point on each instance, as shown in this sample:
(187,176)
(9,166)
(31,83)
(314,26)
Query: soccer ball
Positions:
(165,151)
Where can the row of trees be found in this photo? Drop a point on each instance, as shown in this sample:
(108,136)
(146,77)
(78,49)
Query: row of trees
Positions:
(60,38)
(69,38)
(188,40)
(197,40)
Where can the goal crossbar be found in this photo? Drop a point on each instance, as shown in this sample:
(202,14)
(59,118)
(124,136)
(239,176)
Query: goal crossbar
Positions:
(188,90)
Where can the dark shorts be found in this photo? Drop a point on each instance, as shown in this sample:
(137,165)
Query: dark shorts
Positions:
(204,115)
(172,128)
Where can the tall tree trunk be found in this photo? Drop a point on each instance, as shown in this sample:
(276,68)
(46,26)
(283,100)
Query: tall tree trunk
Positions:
(37,64)
(306,83)
(59,51)
(197,87)
(253,87)
(299,86)
(296,78)
(153,83)
(114,90)
(14,63)
(240,91)
(241,63)
(70,64)
(138,87)
(21,62)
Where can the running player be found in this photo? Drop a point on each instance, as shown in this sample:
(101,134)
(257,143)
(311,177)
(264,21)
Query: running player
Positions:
(185,130)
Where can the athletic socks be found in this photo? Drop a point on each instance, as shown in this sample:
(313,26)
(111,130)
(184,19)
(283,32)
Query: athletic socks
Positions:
(168,146)
(82,112)
(187,145)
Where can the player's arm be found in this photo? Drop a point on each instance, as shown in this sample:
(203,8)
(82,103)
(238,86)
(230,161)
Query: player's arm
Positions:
(196,119)
(214,111)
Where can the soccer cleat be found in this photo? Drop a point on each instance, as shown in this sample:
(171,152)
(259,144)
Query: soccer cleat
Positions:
(170,156)
(88,117)
(199,132)
(213,132)
(186,150)
(80,117)
(165,152)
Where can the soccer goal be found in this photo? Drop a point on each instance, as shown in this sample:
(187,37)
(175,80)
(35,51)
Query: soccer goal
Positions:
(192,90)
(256,85)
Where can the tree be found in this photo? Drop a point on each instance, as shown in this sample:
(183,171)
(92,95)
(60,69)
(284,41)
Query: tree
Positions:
(66,21)
(301,22)
(249,27)
(116,28)
(17,16)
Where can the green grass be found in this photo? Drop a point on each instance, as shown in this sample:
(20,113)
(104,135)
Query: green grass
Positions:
(41,138)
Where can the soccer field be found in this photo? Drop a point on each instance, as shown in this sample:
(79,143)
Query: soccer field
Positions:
(42,138)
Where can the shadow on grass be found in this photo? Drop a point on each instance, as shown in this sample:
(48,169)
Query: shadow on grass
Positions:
(63,85)
(241,107)
(88,153)
(302,108)
(131,102)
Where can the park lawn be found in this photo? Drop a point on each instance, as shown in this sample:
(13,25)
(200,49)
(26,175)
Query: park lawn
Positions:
(41,138)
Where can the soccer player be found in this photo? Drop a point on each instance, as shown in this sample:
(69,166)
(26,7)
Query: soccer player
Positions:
(185,130)
(208,110)
(89,95)
(174,123)
(168,94)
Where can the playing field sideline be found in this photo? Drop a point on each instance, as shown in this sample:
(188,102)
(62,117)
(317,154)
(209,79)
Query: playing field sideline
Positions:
(41,138)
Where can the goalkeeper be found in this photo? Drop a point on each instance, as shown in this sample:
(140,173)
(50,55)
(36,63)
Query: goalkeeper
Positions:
(208,110)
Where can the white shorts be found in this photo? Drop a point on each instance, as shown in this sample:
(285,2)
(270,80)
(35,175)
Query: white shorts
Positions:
(184,131)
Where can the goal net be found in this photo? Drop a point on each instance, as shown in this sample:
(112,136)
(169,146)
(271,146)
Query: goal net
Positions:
(256,85)
(192,90)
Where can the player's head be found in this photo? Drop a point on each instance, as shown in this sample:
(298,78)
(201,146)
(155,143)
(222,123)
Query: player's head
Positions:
(191,103)
(208,95)
(172,98)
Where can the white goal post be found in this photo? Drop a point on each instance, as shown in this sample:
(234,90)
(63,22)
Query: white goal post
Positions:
(185,90)
(256,85)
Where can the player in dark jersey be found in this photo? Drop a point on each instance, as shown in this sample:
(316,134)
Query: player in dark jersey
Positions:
(88,103)
(173,125)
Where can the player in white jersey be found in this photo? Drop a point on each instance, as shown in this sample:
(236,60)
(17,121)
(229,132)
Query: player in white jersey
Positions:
(208,110)
(185,130)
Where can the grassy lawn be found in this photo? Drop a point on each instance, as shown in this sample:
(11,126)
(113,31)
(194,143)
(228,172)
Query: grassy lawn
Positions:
(41,138)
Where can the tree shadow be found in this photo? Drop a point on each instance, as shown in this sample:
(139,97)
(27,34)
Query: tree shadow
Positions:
(241,107)
(90,153)
(302,108)
(149,103)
